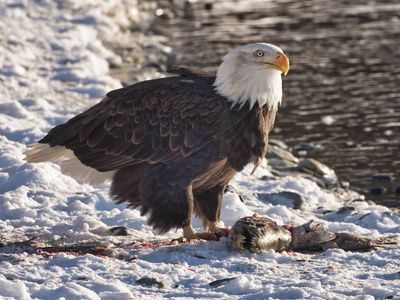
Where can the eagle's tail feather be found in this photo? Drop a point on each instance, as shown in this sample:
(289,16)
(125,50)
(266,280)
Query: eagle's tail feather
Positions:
(74,168)
(43,152)
(70,165)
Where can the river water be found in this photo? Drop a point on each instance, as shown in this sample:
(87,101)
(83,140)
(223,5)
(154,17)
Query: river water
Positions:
(342,93)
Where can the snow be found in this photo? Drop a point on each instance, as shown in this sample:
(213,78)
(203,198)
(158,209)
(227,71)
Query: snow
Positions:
(54,62)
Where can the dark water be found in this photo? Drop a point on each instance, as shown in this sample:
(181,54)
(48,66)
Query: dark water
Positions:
(342,93)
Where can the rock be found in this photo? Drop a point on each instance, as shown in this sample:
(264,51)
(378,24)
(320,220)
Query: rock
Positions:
(289,199)
(320,172)
(83,278)
(278,143)
(120,230)
(346,210)
(150,282)
(281,172)
(382,178)
(220,282)
(316,167)
(276,152)
(321,183)
(9,277)
(280,163)
(278,155)
(377,190)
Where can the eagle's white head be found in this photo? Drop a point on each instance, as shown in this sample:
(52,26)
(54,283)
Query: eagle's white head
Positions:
(252,73)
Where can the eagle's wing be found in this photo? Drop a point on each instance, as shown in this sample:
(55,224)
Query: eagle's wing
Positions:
(162,120)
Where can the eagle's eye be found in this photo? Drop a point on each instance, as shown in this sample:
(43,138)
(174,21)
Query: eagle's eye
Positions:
(259,53)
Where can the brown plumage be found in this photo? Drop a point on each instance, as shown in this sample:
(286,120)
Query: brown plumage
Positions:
(170,146)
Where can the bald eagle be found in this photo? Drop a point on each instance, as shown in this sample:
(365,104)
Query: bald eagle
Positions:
(171,145)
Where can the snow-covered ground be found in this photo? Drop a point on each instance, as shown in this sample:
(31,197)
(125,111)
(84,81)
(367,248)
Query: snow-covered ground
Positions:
(54,62)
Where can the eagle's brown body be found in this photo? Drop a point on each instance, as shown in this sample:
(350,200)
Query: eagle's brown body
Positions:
(172,157)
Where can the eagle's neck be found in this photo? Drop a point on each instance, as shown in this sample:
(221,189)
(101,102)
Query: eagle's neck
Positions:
(241,85)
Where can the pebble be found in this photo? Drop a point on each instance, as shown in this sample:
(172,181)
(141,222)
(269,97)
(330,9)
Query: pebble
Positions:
(281,162)
(296,201)
(346,210)
(382,178)
(377,190)
(277,152)
(316,167)
(151,282)
(220,282)
(120,230)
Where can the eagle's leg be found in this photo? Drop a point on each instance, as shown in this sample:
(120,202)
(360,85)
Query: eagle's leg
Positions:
(214,227)
(189,232)
(155,188)
(207,205)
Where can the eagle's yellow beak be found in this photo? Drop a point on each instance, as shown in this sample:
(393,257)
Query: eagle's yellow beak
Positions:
(281,63)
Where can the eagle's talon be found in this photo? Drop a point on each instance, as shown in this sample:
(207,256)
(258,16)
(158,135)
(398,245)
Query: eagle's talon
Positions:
(180,240)
(212,235)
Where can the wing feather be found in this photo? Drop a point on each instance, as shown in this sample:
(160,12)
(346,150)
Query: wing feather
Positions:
(160,120)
